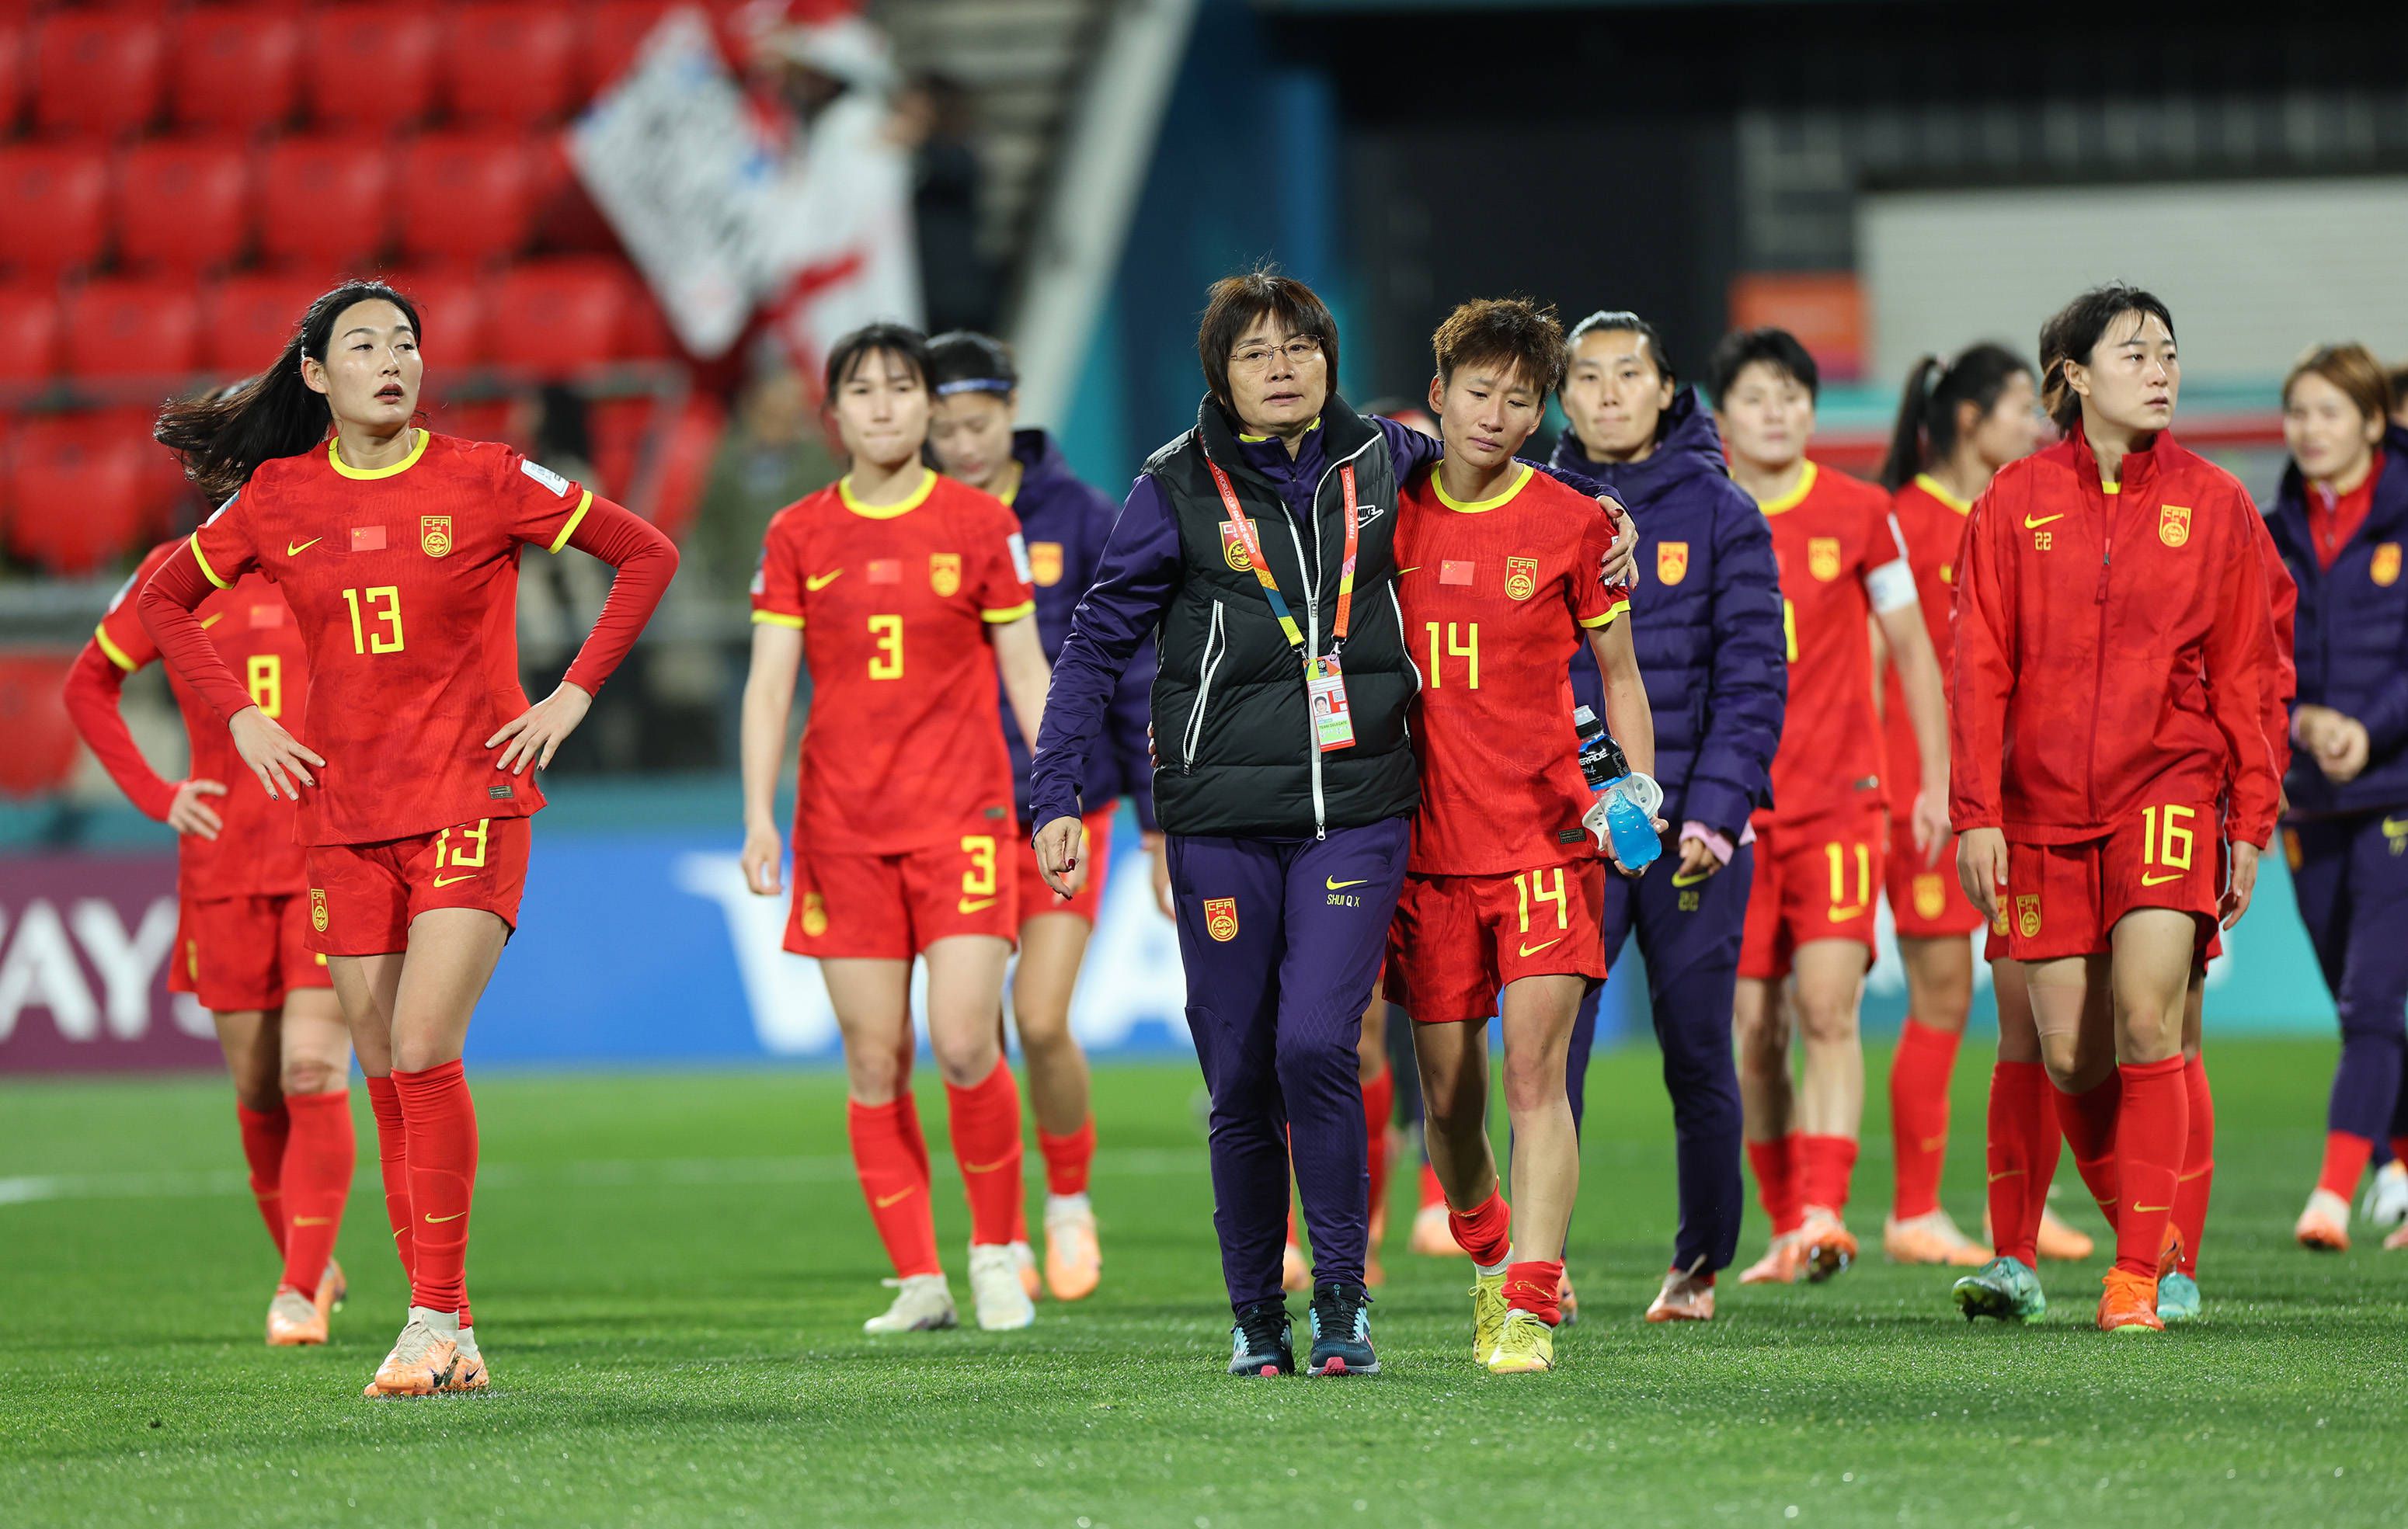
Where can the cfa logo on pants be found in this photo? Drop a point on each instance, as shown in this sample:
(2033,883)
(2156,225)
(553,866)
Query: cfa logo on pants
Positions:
(1220,917)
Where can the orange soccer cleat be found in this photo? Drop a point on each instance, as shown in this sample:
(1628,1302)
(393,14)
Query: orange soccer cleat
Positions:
(1930,1239)
(2324,1225)
(333,1290)
(2397,1240)
(421,1362)
(2059,1242)
(2129,1304)
(1827,1245)
(1074,1261)
(1431,1236)
(294,1320)
(1023,1258)
(1780,1266)
(469,1373)
(1296,1274)
(1685,1297)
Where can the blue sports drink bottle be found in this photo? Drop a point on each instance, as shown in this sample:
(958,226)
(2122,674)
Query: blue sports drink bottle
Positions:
(1627,802)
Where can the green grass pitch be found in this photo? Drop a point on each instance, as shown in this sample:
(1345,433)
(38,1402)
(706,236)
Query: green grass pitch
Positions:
(671,1273)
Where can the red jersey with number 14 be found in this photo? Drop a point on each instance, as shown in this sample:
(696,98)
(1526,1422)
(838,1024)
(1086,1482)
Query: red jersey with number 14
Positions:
(905,748)
(1497,598)
(405,583)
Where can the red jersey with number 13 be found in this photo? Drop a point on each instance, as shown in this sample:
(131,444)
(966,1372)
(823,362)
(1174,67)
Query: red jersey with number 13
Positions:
(1497,594)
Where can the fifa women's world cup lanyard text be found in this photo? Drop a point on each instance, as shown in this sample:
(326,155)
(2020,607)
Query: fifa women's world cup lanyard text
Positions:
(1325,681)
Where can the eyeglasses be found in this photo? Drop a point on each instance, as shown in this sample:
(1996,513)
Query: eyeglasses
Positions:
(1299,351)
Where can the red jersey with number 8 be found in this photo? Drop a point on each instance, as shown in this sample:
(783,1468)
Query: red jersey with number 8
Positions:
(404,580)
(904,747)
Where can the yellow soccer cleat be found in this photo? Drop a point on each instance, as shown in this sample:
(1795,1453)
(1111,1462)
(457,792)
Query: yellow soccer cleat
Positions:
(1074,1261)
(1930,1239)
(1488,1312)
(293,1321)
(1780,1266)
(1526,1347)
(421,1364)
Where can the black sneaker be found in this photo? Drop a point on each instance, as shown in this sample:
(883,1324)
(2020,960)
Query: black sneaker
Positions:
(1259,1343)
(1341,1330)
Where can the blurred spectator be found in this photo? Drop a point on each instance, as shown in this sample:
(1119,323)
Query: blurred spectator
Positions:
(773,455)
(957,282)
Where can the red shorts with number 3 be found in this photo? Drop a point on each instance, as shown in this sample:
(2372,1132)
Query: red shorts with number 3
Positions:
(2065,899)
(1813,880)
(1458,940)
(1095,852)
(891,907)
(362,896)
(236,953)
(1925,902)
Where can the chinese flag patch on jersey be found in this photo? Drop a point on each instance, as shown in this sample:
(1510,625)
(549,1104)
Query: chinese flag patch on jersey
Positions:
(1220,917)
(367,538)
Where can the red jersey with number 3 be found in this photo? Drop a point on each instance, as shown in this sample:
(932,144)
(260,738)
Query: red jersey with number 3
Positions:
(255,853)
(1497,598)
(1932,522)
(405,583)
(905,748)
(1831,535)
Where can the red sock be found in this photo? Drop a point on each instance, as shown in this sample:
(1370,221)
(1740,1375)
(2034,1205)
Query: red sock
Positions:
(2345,1158)
(1486,1231)
(2152,1130)
(1378,1100)
(1532,1285)
(393,1160)
(1824,1165)
(1918,1116)
(2088,1120)
(1431,1192)
(1776,1181)
(2198,1164)
(2021,1131)
(986,1118)
(440,1121)
(318,1165)
(1068,1158)
(264,1132)
(894,1184)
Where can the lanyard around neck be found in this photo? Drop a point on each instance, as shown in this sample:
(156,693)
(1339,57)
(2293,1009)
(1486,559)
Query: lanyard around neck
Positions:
(1244,529)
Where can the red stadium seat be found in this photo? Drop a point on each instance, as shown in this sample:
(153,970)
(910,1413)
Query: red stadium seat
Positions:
(463,196)
(483,419)
(247,320)
(325,203)
(96,72)
(513,62)
(57,202)
(371,66)
(614,30)
(82,491)
(42,743)
(183,203)
(451,315)
(29,336)
(236,68)
(554,318)
(646,335)
(119,328)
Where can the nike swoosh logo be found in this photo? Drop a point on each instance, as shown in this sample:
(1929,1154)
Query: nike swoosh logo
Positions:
(2160,881)
(447,880)
(1841,915)
(2032,524)
(295,549)
(313,1221)
(207,622)
(1689,879)
(975,905)
(1336,885)
(896,1198)
(2011,1173)
(987,1168)
(2150,1210)
(1415,568)
(437,1220)
(816,582)
(1528,951)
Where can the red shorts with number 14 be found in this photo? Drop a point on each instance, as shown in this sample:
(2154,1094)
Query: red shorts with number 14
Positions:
(1457,941)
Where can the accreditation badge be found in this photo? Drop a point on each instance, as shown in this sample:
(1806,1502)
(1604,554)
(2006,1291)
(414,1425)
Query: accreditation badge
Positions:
(1333,723)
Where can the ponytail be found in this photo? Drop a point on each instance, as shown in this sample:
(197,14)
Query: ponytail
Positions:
(223,437)
(1927,409)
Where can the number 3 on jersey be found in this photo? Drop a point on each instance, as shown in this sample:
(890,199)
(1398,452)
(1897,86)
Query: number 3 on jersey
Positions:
(978,882)
(887,662)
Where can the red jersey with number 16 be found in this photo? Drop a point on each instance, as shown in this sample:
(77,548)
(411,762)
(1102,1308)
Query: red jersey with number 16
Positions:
(905,748)
(1496,596)
(405,583)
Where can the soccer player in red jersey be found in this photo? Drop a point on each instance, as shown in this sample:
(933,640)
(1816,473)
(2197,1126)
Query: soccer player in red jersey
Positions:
(2100,718)
(397,551)
(907,593)
(1958,424)
(239,947)
(1504,892)
(1820,845)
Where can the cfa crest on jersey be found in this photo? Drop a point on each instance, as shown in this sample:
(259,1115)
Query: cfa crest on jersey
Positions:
(815,922)
(2384,569)
(545,476)
(1045,563)
(435,534)
(1823,557)
(1220,917)
(1931,894)
(1521,578)
(945,574)
(1233,546)
(1672,562)
(2173,524)
(2028,914)
(317,909)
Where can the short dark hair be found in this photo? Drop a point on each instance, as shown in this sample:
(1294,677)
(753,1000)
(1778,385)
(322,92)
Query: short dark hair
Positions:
(885,337)
(965,361)
(2075,330)
(1775,347)
(1605,321)
(1235,303)
(1514,332)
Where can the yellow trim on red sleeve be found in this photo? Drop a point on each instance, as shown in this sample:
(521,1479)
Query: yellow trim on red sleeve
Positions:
(886,512)
(116,655)
(1477,507)
(1612,612)
(778,618)
(569,529)
(335,455)
(1026,607)
(1795,496)
(203,559)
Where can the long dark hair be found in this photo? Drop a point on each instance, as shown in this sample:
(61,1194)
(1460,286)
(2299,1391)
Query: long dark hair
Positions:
(2074,331)
(1927,409)
(223,437)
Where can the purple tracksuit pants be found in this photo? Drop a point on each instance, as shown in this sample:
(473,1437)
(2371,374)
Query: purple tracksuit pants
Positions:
(2352,885)
(1282,941)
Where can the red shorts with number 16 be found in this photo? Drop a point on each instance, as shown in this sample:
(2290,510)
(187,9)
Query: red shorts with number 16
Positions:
(891,907)
(2065,899)
(1458,940)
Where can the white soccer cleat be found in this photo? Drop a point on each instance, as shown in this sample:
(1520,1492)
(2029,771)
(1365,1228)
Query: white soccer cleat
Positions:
(1003,1304)
(923,1304)
(2386,1198)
